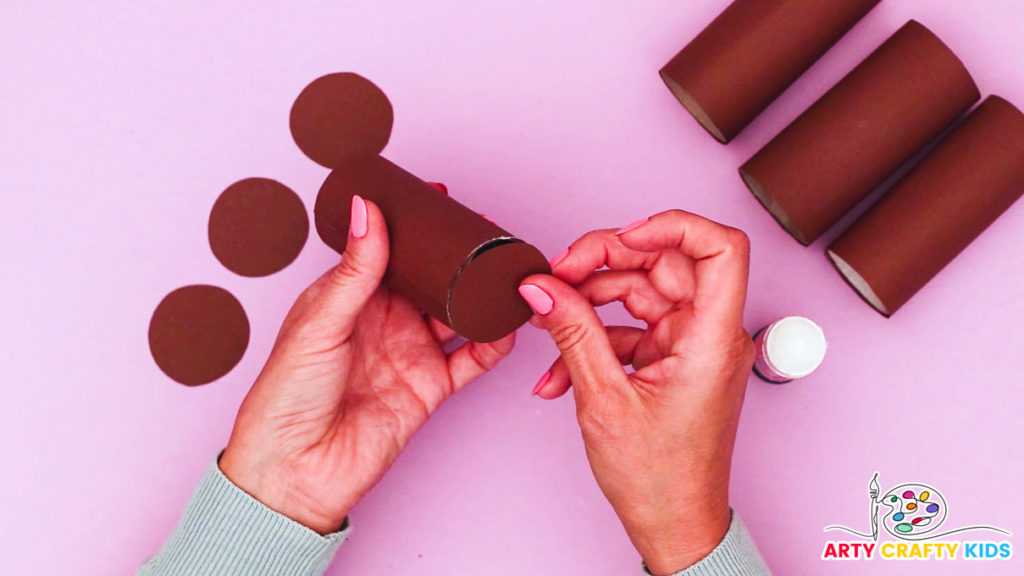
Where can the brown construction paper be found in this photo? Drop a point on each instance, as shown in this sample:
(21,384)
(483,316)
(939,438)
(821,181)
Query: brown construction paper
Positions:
(340,116)
(487,288)
(198,333)
(937,209)
(434,240)
(860,132)
(257,227)
(751,53)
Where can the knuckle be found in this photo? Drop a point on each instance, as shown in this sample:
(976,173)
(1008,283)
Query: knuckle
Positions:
(570,336)
(592,237)
(738,240)
(350,268)
(485,357)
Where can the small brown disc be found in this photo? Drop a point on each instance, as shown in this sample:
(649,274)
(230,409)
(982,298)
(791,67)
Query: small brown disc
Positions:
(485,303)
(341,116)
(198,334)
(257,227)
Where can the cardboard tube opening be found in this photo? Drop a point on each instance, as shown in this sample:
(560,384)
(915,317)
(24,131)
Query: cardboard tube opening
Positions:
(937,209)
(490,245)
(772,206)
(750,53)
(857,282)
(694,108)
(476,253)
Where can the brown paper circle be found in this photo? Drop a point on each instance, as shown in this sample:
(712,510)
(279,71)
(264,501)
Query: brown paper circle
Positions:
(257,227)
(198,334)
(485,303)
(341,116)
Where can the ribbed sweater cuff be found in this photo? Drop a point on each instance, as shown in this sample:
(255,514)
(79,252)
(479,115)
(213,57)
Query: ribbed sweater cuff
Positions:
(226,532)
(735,555)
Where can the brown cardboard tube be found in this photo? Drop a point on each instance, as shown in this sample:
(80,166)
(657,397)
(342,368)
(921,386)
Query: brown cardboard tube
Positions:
(860,132)
(937,209)
(751,53)
(449,261)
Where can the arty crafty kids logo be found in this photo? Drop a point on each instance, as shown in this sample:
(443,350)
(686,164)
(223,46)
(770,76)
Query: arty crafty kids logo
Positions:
(912,514)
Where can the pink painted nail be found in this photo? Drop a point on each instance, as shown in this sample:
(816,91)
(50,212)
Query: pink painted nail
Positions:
(561,256)
(540,383)
(538,299)
(358,224)
(631,226)
(440,187)
(488,218)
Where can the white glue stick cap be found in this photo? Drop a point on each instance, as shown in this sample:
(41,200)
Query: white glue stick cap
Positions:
(795,346)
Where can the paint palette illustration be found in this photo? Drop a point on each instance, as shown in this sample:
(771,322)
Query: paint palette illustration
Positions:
(913,509)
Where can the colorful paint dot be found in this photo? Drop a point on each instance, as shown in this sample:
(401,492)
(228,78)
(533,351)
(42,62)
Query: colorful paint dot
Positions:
(893,499)
(904,528)
(911,506)
(916,521)
(898,516)
(924,496)
(933,508)
(908,494)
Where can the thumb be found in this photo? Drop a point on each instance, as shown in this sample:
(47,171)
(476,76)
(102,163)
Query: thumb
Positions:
(347,287)
(577,331)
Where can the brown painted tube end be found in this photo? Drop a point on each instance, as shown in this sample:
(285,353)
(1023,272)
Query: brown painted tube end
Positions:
(773,207)
(693,107)
(484,303)
(859,284)
(930,216)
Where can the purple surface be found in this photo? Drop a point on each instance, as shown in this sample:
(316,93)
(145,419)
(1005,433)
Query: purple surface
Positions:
(121,126)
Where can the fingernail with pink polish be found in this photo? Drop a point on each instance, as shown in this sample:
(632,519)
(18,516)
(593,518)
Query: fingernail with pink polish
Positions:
(358,224)
(539,300)
(631,226)
(540,383)
(488,218)
(558,258)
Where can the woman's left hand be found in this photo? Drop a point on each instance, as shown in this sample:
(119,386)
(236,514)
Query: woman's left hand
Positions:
(355,371)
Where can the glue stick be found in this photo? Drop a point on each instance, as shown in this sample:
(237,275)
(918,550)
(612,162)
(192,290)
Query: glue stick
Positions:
(788,349)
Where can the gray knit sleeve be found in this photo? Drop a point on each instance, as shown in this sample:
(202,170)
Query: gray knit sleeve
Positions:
(735,555)
(226,532)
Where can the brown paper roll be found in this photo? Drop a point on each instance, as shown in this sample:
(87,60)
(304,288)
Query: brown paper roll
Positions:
(446,259)
(860,132)
(751,53)
(937,209)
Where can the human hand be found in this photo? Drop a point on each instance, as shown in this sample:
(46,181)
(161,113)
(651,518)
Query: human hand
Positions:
(355,371)
(659,440)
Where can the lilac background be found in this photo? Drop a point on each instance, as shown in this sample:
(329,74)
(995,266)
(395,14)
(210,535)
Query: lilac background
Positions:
(120,126)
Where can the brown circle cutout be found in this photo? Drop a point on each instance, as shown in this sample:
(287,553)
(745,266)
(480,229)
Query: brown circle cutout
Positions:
(257,227)
(485,303)
(341,116)
(198,334)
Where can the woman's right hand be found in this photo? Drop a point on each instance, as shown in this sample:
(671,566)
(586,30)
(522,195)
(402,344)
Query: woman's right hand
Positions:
(659,440)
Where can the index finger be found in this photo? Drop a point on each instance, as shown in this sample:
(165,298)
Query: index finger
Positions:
(721,255)
(598,249)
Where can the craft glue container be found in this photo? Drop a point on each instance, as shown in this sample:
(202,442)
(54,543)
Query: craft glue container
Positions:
(788,349)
